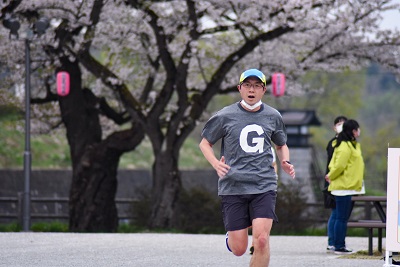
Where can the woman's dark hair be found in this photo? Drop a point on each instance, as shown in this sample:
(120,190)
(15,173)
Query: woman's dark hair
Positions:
(339,119)
(347,133)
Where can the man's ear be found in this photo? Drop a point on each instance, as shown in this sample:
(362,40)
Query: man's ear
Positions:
(238,87)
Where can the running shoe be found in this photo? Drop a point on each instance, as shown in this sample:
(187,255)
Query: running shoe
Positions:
(226,242)
(251,250)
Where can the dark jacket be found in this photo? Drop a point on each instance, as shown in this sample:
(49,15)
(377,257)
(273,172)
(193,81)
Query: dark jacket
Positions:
(329,151)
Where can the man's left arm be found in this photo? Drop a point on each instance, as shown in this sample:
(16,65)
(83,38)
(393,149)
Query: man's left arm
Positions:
(284,158)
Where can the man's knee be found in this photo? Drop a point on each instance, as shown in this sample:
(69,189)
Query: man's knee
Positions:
(261,243)
(238,247)
(239,251)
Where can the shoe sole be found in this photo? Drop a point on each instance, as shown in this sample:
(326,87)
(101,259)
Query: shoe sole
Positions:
(343,253)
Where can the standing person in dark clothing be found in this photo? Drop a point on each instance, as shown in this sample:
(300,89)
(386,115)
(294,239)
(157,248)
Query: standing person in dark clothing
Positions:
(337,127)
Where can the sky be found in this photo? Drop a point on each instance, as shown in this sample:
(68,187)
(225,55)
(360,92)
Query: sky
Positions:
(391,19)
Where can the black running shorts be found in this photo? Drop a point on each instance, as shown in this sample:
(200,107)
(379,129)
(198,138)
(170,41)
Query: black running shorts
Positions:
(238,211)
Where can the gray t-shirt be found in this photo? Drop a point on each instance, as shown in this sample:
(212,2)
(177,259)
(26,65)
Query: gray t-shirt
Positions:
(246,144)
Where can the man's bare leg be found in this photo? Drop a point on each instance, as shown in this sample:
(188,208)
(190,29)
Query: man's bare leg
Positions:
(261,233)
(238,241)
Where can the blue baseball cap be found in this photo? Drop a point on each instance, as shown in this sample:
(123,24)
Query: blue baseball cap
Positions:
(253,73)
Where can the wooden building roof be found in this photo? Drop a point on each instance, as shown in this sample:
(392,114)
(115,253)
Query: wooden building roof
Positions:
(300,117)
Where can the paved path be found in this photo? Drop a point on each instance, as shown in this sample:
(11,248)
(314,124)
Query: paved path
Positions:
(164,250)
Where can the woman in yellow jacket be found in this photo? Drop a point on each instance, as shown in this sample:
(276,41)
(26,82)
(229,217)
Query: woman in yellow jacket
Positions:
(346,178)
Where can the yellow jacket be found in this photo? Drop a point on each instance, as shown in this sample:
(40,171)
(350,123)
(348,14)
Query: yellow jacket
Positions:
(346,169)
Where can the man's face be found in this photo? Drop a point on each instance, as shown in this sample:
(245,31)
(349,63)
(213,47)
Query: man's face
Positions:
(251,90)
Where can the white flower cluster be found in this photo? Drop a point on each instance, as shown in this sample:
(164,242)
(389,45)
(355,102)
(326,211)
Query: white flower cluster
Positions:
(176,46)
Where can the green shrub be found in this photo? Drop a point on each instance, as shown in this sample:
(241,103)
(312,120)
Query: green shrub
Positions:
(11,227)
(199,211)
(291,210)
(141,210)
(130,228)
(49,227)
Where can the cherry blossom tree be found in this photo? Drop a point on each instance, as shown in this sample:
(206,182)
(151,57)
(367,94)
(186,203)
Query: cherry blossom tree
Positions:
(155,66)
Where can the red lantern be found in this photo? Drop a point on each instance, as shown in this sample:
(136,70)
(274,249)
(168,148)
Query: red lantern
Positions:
(278,84)
(62,83)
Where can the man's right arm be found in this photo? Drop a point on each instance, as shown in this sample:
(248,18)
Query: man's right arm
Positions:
(208,152)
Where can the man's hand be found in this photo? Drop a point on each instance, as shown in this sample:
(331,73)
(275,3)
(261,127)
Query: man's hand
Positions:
(221,168)
(288,168)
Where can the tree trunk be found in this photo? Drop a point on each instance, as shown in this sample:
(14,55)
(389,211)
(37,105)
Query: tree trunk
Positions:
(95,161)
(93,190)
(94,184)
(166,189)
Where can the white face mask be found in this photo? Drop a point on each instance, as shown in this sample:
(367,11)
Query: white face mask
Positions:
(339,128)
(251,107)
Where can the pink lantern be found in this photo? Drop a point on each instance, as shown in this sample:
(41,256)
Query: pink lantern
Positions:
(62,83)
(278,84)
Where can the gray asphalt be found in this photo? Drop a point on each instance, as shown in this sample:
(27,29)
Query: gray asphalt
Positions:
(162,250)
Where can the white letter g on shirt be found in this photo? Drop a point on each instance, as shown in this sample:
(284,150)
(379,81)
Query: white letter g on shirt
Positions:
(257,142)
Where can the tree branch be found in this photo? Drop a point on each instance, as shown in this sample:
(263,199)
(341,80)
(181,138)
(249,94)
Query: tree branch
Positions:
(109,112)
